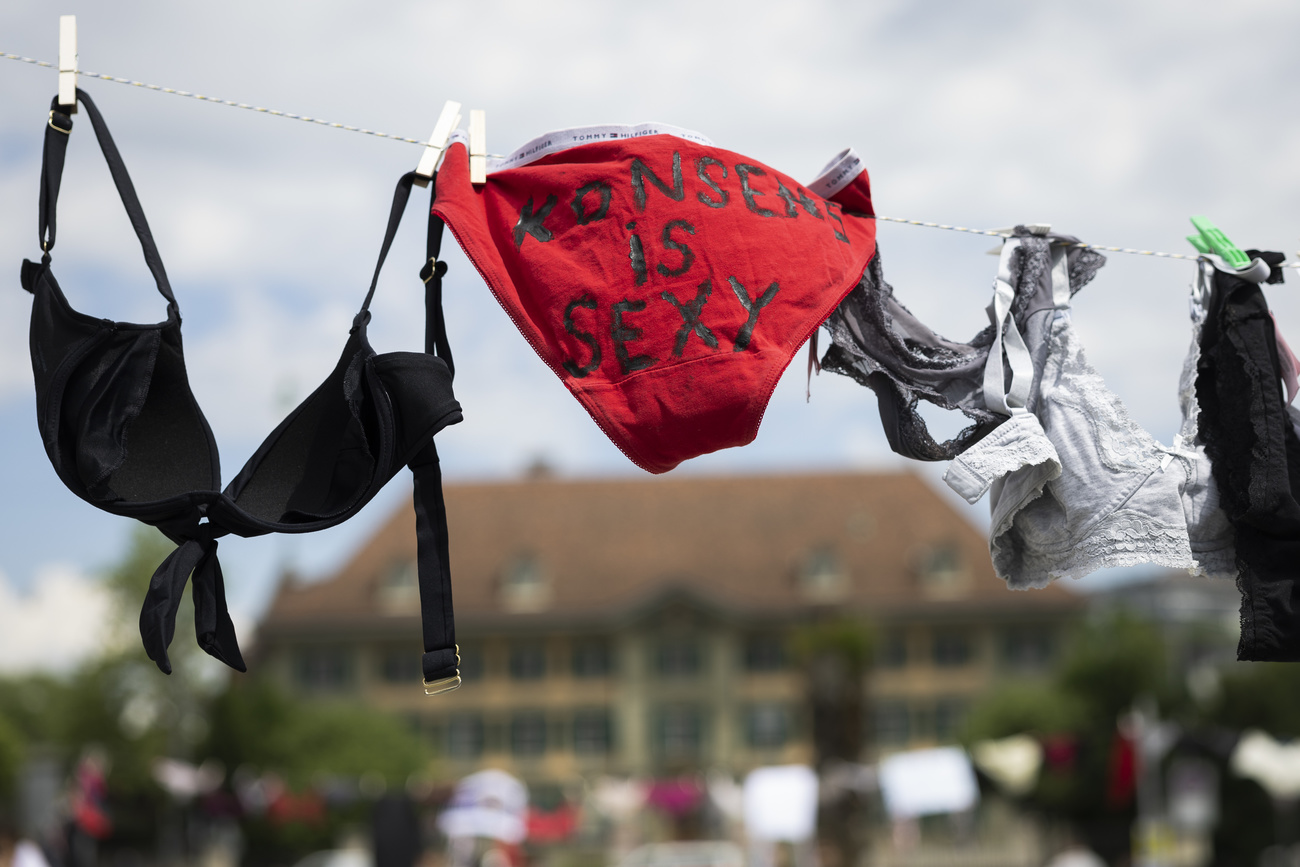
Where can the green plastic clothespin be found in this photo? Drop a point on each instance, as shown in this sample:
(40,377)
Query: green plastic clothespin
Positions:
(1211,240)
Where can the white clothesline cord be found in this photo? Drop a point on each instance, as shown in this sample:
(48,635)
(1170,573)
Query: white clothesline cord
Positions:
(231,103)
(994,233)
(349,128)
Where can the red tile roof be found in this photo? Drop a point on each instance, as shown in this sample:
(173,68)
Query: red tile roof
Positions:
(607,548)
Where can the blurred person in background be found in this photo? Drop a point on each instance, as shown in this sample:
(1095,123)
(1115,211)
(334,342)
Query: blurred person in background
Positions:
(16,851)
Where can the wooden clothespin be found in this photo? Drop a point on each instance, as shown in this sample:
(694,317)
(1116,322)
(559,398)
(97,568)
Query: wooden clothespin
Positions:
(447,121)
(68,63)
(477,146)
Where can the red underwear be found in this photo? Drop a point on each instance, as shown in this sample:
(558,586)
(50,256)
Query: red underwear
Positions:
(666,282)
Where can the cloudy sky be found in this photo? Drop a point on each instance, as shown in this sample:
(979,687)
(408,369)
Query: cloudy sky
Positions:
(1113,121)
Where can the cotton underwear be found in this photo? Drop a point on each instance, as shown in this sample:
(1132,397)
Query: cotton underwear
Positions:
(667,282)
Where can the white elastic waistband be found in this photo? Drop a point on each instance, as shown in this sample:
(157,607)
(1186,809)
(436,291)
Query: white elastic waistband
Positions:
(563,139)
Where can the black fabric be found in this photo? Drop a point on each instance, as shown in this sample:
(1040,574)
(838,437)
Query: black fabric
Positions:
(1255,454)
(123,431)
(395,831)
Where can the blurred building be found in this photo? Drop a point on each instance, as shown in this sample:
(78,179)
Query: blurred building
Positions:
(649,626)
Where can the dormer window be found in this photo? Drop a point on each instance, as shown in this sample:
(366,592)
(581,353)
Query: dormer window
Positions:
(942,571)
(399,588)
(822,577)
(524,586)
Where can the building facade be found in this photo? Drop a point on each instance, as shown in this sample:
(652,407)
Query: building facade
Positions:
(653,627)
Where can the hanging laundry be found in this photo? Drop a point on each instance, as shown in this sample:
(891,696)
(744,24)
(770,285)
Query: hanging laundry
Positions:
(928,782)
(124,432)
(878,342)
(1250,433)
(667,282)
(1011,762)
(1074,484)
(1275,766)
(780,803)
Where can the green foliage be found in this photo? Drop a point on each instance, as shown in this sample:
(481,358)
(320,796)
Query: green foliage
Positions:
(851,641)
(258,725)
(1107,666)
(12,750)
(1016,708)
(1110,663)
(1260,695)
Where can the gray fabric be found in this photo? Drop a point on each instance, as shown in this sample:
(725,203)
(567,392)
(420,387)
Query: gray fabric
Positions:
(878,342)
(1075,485)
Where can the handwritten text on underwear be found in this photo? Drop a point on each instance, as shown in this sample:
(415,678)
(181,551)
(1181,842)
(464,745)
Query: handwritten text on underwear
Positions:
(673,256)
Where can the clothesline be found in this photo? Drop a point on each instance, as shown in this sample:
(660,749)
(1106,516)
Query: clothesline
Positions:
(349,128)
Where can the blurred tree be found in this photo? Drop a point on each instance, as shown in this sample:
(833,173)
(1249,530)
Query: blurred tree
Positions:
(257,725)
(1107,666)
(12,750)
(121,703)
(835,655)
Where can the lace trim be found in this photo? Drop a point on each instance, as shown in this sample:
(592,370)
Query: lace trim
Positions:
(1122,539)
(1122,444)
(1020,442)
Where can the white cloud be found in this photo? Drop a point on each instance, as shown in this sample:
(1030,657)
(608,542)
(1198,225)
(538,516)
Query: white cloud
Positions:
(62,620)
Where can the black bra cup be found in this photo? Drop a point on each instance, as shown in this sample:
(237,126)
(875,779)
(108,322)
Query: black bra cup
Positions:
(124,432)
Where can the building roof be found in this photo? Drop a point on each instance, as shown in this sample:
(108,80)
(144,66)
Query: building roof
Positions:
(542,551)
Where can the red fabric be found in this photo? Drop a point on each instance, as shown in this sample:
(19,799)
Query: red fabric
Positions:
(1121,781)
(552,826)
(1060,751)
(307,808)
(582,256)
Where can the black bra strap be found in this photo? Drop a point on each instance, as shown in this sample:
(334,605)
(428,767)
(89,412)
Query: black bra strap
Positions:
(400,197)
(441,659)
(57,132)
(435,330)
(435,325)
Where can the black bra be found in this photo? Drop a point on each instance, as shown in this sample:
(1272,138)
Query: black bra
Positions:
(124,432)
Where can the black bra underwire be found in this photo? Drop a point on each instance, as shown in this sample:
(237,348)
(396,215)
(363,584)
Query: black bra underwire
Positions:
(412,390)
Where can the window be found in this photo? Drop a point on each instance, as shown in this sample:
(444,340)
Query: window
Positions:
(326,669)
(471,662)
(953,648)
(592,658)
(767,726)
(528,661)
(464,733)
(942,571)
(592,732)
(524,586)
(893,650)
(1028,647)
(678,657)
(949,714)
(528,734)
(399,588)
(822,576)
(679,733)
(892,723)
(764,651)
(401,665)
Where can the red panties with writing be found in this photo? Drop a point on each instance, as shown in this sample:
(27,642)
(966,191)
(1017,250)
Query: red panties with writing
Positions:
(666,282)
